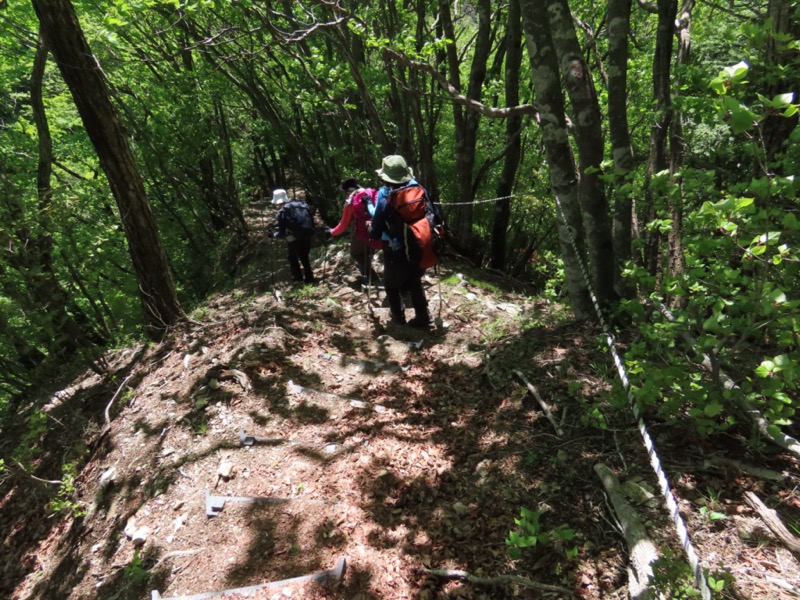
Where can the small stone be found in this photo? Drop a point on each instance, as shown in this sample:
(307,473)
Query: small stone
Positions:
(130,528)
(140,536)
(226,469)
(107,478)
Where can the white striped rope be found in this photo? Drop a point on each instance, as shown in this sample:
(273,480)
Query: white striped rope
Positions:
(680,525)
(486,200)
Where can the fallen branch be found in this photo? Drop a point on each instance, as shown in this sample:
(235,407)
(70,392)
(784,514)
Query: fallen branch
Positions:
(773,522)
(21,468)
(751,470)
(642,551)
(114,397)
(541,402)
(455,574)
(177,553)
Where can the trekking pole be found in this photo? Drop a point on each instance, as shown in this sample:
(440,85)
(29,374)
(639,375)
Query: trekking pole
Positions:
(324,256)
(271,247)
(368,267)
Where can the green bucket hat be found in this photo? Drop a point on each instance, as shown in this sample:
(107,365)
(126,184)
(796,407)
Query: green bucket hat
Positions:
(394,169)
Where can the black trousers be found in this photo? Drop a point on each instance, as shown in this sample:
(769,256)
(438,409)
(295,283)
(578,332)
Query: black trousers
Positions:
(298,254)
(361,253)
(399,277)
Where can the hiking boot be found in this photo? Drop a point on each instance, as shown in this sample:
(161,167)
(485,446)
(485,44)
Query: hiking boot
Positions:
(399,319)
(421,322)
(311,280)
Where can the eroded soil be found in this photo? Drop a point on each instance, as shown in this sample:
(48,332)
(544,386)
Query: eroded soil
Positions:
(401,451)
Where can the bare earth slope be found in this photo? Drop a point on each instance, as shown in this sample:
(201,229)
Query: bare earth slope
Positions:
(397,450)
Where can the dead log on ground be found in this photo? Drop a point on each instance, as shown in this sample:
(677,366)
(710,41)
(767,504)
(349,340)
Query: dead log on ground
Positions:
(773,522)
(642,551)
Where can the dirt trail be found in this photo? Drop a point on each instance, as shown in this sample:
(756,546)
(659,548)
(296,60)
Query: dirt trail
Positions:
(395,449)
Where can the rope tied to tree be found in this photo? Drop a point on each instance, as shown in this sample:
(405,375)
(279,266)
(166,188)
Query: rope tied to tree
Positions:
(655,462)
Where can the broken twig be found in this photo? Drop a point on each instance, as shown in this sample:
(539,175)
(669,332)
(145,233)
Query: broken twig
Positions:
(541,402)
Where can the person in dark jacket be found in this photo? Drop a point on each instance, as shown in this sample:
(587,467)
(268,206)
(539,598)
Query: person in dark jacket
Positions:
(298,240)
(398,275)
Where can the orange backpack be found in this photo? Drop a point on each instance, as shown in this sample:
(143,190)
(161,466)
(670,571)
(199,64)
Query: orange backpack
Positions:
(414,225)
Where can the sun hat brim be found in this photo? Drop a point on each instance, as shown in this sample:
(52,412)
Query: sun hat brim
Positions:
(388,178)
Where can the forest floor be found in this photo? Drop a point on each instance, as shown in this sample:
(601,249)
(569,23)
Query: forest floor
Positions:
(400,451)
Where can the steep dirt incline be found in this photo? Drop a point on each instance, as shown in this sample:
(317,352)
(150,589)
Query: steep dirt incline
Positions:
(395,449)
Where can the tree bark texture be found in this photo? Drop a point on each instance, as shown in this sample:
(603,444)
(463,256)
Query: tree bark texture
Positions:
(676,260)
(589,140)
(86,82)
(662,113)
(502,209)
(619,24)
(467,122)
(776,129)
(563,171)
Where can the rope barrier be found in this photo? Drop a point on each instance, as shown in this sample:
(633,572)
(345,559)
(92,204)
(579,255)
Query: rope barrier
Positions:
(485,201)
(655,463)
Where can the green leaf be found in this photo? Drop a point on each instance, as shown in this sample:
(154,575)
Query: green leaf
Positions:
(542,538)
(763,370)
(777,297)
(563,534)
(713,323)
(742,119)
(790,221)
(782,100)
(737,72)
(712,409)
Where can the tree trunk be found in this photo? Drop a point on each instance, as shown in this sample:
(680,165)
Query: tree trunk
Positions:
(589,139)
(676,260)
(619,24)
(502,210)
(466,122)
(33,256)
(86,82)
(563,171)
(777,128)
(657,159)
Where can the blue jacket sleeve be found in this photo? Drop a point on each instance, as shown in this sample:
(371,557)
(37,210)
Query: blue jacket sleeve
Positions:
(379,218)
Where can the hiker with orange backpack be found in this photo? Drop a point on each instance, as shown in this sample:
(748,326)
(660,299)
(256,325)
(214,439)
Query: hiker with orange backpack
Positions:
(403,221)
(356,210)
